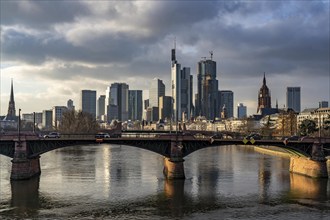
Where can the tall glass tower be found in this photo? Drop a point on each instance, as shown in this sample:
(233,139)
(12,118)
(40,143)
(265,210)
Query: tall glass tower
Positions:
(207,89)
(293,98)
(181,82)
(88,101)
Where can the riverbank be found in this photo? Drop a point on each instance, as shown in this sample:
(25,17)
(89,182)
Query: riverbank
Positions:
(275,151)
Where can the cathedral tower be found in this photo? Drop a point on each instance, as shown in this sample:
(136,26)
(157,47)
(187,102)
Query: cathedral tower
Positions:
(264,98)
(11,107)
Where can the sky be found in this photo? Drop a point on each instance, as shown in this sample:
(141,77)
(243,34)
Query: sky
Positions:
(54,49)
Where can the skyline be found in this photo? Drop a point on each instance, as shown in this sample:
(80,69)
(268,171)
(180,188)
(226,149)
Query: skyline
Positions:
(132,42)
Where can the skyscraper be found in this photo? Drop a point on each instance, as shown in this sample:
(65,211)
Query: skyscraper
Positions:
(157,89)
(117,97)
(135,105)
(100,107)
(264,97)
(241,111)
(70,105)
(165,107)
(88,101)
(207,89)
(47,118)
(293,98)
(57,115)
(226,99)
(181,82)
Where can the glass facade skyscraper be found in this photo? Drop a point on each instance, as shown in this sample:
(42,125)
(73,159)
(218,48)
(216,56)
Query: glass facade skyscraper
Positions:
(181,82)
(207,90)
(117,98)
(157,89)
(135,105)
(226,98)
(293,98)
(88,101)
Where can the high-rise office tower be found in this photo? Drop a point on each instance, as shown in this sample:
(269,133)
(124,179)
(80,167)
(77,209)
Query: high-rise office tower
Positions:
(293,98)
(88,101)
(264,97)
(135,105)
(207,89)
(117,97)
(57,115)
(70,105)
(157,89)
(226,99)
(165,107)
(100,107)
(186,93)
(47,119)
(241,111)
(181,82)
(323,104)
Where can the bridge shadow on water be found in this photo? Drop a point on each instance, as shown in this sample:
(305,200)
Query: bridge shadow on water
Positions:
(173,200)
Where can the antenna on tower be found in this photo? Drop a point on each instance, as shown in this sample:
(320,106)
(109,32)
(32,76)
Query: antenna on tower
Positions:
(211,53)
(174,42)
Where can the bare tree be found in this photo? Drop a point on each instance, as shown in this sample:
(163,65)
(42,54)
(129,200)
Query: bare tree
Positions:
(74,122)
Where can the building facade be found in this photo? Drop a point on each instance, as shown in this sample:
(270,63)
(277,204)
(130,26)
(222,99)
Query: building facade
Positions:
(181,82)
(100,107)
(57,114)
(323,104)
(70,105)
(156,90)
(135,108)
(206,103)
(226,99)
(241,111)
(88,102)
(117,97)
(293,98)
(47,120)
(165,107)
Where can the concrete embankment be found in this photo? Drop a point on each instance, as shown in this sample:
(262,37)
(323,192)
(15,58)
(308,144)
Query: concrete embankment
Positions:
(302,167)
(275,151)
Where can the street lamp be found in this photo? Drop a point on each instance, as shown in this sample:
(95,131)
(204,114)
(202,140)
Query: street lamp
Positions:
(19,126)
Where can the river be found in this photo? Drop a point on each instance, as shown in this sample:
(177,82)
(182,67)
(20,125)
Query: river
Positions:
(121,182)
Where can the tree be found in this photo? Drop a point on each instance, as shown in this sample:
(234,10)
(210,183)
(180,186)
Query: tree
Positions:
(74,122)
(326,126)
(307,127)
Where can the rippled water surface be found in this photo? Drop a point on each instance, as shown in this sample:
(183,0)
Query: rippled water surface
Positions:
(121,182)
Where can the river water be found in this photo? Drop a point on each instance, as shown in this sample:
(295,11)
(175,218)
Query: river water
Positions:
(121,182)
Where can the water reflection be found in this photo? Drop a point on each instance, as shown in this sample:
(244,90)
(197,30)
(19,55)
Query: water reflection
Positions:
(25,196)
(303,187)
(174,193)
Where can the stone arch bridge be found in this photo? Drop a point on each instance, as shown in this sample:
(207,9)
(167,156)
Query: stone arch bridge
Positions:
(308,156)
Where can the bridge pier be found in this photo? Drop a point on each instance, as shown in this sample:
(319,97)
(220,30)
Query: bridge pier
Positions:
(315,167)
(23,167)
(173,166)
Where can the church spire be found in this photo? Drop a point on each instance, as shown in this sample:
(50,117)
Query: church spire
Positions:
(264,81)
(11,106)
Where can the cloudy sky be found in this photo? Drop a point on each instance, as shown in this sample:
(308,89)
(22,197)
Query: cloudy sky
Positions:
(54,49)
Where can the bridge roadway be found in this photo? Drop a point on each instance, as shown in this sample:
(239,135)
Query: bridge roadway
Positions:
(26,150)
(158,143)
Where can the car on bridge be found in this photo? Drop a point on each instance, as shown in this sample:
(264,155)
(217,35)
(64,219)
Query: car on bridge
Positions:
(52,135)
(102,135)
(253,136)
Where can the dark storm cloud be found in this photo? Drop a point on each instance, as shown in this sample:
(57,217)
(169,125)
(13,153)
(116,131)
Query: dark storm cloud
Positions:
(247,37)
(41,14)
(18,46)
